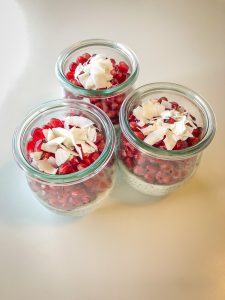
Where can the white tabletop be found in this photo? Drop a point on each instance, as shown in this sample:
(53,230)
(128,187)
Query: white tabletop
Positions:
(173,249)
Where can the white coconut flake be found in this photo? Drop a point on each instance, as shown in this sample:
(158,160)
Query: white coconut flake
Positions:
(49,148)
(36,155)
(52,161)
(61,156)
(179,127)
(92,134)
(60,132)
(71,152)
(45,166)
(151,109)
(170,140)
(49,135)
(87,149)
(56,141)
(78,121)
(78,135)
(155,136)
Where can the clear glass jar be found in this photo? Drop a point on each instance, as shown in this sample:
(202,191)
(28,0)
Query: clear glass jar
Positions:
(155,171)
(109,100)
(76,193)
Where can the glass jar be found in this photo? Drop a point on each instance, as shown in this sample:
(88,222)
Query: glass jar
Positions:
(109,100)
(155,171)
(76,193)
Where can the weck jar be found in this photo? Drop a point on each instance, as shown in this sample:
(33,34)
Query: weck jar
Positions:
(62,189)
(143,156)
(93,62)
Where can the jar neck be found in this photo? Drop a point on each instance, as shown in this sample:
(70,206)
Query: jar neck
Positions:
(210,123)
(90,171)
(121,88)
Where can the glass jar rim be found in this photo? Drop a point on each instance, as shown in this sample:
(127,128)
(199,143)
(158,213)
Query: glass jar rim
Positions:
(77,177)
(161,153)
(97,42)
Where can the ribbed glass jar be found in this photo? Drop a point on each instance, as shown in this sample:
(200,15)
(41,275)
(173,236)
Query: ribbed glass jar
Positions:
(155,171)
(77,193)
(109,100)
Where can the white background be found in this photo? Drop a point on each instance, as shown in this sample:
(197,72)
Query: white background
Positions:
(168,250)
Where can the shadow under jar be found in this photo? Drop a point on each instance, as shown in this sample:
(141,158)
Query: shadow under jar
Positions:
(77,193)
(125,71)
(153,169)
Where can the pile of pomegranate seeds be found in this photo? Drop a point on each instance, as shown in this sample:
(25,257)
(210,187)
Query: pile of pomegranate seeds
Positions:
(65,146)
(96,72)
(165,125)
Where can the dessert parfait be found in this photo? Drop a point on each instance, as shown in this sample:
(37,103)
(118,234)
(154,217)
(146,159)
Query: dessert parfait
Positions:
(164,127)
(66,150)
(100,72)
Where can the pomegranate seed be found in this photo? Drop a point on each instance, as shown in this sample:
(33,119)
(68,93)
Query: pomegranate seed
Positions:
(170,121)
(30,146)
(149,177)
(197,132)
(81,166)
(47,126)
(38,146)
(94,156)
(37,134)
(87,161)
(139,135)
(101,146)
(139,171)
(192,141)
(74,161)
(162,99)
(56,123)
(80,60)
(46,155)
(133,126)
(180,145)
(86,56)
(113,61)
(99,137)
(174,105)
(73,67)
(70,75)
(65,168)
(123,67)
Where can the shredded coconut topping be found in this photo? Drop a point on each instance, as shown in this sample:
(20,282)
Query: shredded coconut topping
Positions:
(158,121)
(77,138)
(95,73)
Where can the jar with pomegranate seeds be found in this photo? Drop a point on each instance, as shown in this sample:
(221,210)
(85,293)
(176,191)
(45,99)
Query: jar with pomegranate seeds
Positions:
(164,129)
(66,150)
(98,71)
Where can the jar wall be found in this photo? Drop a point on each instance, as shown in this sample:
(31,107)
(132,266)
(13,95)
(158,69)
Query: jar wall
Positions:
(151,175)
(75,198)
(109,100)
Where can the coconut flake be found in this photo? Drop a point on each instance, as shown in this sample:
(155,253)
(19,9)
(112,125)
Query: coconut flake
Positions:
(155,136)
(71,152)
(92,134)
(52,161)
(152,109)
(49,135)
(36,155)
(60,132)
(49,148)
(45,166)
(61,156)
(87,148)
(170,140)
(78,121)
(78,135)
